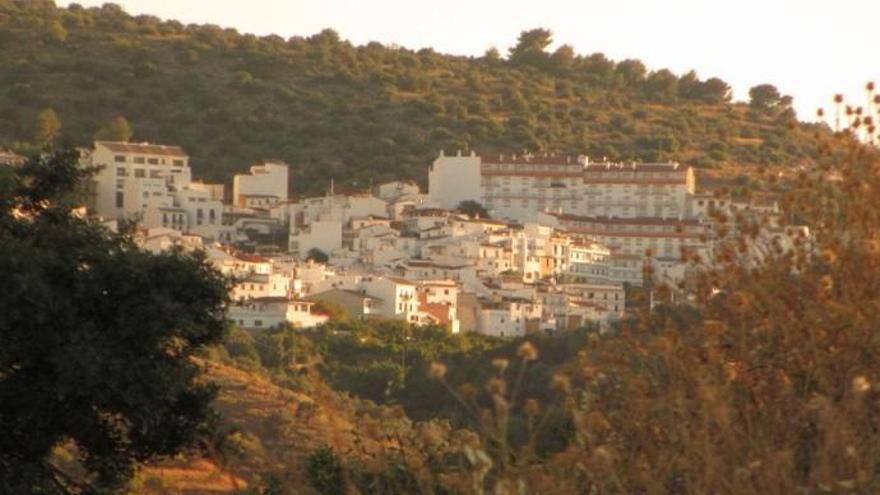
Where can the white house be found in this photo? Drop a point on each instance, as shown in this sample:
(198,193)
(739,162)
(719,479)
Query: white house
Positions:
(266,180)
(269,312)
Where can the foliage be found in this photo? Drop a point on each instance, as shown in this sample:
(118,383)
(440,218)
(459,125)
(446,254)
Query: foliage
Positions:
(360,113)
(47,127)
(325,471)
(473,209)
(96,339)
(117,129)
(317,255)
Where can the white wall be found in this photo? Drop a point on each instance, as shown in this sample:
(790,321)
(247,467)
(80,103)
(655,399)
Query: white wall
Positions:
(269,178)
(453,179)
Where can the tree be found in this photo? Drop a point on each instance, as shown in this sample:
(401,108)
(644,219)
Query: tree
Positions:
(57,32)
(632,71)
(491,55)
(530,47)
(96,339)
(473,209)
(317,255)
(47,127)
(764,97)
(661,86)
(117,129)
(563,59)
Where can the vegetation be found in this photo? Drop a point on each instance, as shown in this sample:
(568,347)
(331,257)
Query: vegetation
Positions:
(96,337)
(362,113)
(766,383)
(472,209)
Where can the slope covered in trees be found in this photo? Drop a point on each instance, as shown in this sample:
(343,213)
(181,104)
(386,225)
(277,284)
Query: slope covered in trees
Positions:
(359,113)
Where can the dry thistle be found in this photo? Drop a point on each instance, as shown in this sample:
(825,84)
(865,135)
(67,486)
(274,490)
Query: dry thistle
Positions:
(861,384)
(468,391)
(500,364)
(527,351)
(437,371)
(532,408)
(496,386)
(561,383)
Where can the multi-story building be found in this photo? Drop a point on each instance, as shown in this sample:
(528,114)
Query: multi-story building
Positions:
(656,237)
(153,184)
(518,187)
(266,184)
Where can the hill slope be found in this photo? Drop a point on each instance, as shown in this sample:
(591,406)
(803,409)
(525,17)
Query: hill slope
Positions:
(276,430)
(361,113)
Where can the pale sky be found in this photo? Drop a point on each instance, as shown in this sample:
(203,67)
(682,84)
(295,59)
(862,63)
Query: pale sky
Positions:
(810,49)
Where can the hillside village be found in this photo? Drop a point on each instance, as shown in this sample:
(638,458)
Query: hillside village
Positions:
(565,241)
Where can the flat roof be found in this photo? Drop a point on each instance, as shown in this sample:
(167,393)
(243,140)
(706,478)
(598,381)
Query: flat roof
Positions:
(143,148)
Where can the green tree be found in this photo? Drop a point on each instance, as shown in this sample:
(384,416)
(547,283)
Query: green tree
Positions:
(47,127)
(473,209)
(632,71)
(764,97)
(317,255)
(530,47)
(117,129)
(96,340)
(57,32)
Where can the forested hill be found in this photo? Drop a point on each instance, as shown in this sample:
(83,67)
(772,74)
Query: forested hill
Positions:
(361,113)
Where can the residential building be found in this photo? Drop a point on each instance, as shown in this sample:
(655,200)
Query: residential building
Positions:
(266,182)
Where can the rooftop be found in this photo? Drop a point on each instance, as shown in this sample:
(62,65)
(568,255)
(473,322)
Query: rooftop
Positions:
(532,159)
(143,148)
(631,167)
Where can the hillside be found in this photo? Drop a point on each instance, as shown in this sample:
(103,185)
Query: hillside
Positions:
(274,432)
(363,113)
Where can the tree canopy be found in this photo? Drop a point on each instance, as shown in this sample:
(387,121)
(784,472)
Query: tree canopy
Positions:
(117,129)
(359,113)
(96,339)
(472,209)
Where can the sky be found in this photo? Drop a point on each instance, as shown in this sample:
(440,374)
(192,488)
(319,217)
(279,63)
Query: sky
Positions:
(810,49)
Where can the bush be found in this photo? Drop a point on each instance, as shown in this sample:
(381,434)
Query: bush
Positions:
(325,471)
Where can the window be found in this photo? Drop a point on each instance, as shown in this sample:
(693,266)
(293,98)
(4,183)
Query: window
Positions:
(178,163)
(258,323)
(120,199)
(153,161)
(120,172)
(119,158)
(139,159)
(140,173)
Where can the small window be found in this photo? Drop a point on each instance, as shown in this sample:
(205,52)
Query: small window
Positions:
(139,159)
(258,323)
(120,199)
(153,161)
(178,163)
(119,158)
(140,173)
(120,172)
